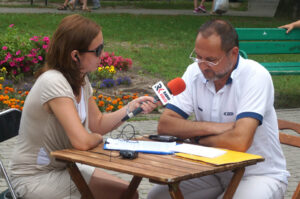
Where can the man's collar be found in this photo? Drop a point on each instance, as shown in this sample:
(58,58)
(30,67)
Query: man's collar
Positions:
(229,80)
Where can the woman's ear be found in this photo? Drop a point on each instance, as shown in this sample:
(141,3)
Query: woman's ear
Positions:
(75,56)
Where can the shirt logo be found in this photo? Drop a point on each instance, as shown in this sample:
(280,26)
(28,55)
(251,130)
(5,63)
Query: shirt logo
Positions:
(228,113)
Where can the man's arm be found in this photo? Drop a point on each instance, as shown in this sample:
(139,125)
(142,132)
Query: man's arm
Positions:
(239,138)
(171,123)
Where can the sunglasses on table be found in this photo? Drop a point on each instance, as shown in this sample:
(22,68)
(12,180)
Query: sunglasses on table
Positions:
(98,50)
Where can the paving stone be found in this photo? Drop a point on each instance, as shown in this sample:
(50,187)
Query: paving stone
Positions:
(292,154)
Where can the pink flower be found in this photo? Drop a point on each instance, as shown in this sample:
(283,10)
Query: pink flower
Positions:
(14,72)
(35,61)
(40,58)
(12,64)
(18,52)
(45,46)
(26,69)
(11,25)
(8,56)
(4,48)
(18,59)
(46,40)
(34,38)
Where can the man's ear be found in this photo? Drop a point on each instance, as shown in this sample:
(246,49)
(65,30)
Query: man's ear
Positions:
(235,52)
(75,55)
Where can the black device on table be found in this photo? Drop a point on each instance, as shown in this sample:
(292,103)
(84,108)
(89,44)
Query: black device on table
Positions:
(128,154)
(164,138)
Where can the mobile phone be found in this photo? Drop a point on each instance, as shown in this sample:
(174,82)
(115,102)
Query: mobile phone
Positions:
(163,138)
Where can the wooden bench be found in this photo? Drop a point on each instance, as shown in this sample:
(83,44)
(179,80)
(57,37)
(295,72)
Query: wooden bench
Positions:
(268,41)
(291,140)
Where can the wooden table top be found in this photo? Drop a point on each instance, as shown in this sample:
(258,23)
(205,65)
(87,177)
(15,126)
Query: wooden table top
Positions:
(163,169)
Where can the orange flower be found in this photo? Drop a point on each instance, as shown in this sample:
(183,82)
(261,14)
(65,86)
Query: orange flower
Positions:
(94,98)
(100,96)
(120,102)
(120,106)
(100,103)
(114,102)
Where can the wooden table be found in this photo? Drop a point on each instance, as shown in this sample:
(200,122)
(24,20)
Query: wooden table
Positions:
(161,169)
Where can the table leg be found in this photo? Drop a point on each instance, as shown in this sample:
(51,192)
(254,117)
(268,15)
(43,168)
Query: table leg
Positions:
(132,187)
(79,181)
(234,183)
(174,191)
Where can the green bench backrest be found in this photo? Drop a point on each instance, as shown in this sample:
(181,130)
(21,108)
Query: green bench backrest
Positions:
(269,41)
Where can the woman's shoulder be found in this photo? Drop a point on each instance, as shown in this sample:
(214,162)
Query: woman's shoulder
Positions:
(53,77)
(52,74)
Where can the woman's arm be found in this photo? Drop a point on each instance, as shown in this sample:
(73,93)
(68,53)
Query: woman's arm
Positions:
(64,110)
(104,123)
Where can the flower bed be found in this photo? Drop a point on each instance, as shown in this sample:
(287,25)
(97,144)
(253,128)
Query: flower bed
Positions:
(22,55)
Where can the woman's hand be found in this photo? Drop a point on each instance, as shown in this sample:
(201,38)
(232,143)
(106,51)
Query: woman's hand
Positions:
(147,103)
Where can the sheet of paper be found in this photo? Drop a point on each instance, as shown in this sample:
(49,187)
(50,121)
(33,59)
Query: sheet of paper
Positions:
(140,146)
(203,151)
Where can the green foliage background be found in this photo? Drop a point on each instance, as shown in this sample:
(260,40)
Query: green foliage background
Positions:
(160,45)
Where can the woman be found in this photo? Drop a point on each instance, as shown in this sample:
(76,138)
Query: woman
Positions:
(60,113)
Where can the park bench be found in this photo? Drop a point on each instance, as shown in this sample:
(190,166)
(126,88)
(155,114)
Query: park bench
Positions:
(268,41)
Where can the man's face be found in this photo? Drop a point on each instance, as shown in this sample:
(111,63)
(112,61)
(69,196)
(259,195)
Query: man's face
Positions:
(209,49)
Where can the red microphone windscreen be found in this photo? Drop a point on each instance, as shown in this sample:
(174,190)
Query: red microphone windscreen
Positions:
(176,86)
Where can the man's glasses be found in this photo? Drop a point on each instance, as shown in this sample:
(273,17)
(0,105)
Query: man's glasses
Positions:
(209,63)
(98,50)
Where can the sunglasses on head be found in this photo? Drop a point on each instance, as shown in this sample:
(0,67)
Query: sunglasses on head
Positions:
(98,50)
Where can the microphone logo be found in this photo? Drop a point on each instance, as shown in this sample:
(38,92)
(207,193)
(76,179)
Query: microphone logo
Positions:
(162,92)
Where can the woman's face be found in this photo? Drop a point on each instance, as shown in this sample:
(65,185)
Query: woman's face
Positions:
(89,61)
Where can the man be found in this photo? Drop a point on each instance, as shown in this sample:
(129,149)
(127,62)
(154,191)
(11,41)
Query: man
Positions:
(232,99)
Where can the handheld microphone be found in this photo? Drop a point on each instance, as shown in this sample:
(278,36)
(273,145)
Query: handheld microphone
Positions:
(163,94)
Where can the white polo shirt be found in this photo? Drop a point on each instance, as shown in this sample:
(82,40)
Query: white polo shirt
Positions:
(248,92)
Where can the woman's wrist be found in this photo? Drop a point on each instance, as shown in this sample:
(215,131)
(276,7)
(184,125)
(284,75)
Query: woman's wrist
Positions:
(128,108)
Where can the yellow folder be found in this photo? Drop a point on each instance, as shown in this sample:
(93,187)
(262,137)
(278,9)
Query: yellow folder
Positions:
(227,158)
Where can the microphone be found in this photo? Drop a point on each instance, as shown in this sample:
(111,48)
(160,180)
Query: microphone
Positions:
(163,94)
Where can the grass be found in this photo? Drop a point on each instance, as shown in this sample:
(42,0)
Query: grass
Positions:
(150,4)
(160,45)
